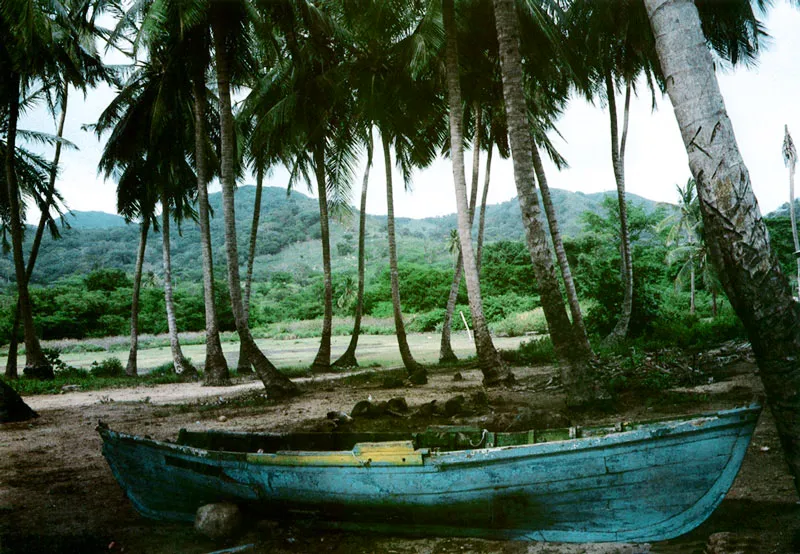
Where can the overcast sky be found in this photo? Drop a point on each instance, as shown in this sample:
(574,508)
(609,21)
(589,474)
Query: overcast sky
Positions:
(760,101)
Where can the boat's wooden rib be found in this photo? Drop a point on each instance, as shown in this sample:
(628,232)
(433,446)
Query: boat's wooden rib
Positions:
(629,482)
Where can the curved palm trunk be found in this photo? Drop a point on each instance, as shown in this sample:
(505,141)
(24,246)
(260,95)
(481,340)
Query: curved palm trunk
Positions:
(243,365)
(415,370)
(348,359)
(11,366)
(574,370)
(131,368)
(735,232)
(446,353)
(182,365)
(35,363)
(494,370)
(277,384)
(484,196)
(579,329)
(215,370)
(322,362)
(620,330)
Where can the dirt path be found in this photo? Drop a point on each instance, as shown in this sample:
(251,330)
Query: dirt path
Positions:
(58,495)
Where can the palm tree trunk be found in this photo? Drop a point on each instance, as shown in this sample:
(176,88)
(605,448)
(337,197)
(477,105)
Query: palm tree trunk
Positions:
(36,364)
(735,232)
(277,384)
(243,366)
(446,353)
(484,196)
(131,369)
(578,327)
(495,371)
(574,372)
(714,302)
(11,366)
(182,365)
(794,221)
(620,330)
(12,407)
(691,288)
(322,361)
(348,359)
(415,370)
(215,370)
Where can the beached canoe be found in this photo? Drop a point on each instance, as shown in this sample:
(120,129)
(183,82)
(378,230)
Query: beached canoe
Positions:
(627,482)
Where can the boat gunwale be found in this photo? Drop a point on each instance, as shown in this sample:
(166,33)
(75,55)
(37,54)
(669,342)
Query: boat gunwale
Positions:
(646,432)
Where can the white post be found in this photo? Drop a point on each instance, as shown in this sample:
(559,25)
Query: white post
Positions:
(469,333)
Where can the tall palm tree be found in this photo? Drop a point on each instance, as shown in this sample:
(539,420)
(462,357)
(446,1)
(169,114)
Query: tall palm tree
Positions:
(39,45)
(790,159)
(231,39)
(737,236)
(570,348)
(685,238)
(494,369)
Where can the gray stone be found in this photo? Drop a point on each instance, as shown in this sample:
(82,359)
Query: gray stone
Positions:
(218,521)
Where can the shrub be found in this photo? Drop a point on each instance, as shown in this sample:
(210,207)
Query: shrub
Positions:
(516,325)
(426,321)
(110,367)
(533,352)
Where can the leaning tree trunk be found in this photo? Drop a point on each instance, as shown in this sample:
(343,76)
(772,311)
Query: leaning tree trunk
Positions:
(322,361)
(620,330)
(574,372)
(11,366)
(416,371)
(36,364)
(578,327)
(243,365)
(484,196)
(215,371)
(182,365)
(348,359)
(277,384)
(494,370)
(734,230)
(131,369)
(446,353)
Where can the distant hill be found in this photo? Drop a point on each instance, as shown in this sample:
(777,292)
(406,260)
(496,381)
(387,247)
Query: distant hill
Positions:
(288,237)
(93,220)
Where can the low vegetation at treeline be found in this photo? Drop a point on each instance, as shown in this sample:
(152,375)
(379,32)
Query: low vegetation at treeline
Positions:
(285,306)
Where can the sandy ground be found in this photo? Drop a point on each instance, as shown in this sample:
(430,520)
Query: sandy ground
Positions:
(58,495)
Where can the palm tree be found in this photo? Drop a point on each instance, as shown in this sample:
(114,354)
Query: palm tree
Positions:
(494,369)
(790,159)
(734,230)
(685,237)
(570,348)
(39,45)
(231,36)
(243,365)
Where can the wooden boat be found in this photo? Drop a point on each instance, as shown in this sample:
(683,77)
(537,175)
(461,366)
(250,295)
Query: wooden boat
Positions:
(627,482)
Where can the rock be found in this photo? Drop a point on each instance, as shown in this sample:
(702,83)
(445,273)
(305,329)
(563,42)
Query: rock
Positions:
(70,388)
(361,408)
(458,376)
(339,417)
(367,408)
(222,419)
(454,405)
(428,409)
(398,404)
(479,399)
(218,521)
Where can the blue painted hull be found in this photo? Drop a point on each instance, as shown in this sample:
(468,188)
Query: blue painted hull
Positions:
(652,483)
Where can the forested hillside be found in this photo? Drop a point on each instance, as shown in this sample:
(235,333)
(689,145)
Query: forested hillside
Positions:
(287,238)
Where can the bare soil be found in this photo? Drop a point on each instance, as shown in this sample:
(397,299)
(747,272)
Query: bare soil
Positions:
(57,493)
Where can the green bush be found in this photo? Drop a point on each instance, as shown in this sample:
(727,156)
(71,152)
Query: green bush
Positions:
(533,352)
(426,322)
(516,325)
(110,367)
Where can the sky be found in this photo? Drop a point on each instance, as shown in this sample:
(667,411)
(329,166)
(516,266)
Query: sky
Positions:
(760,101)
